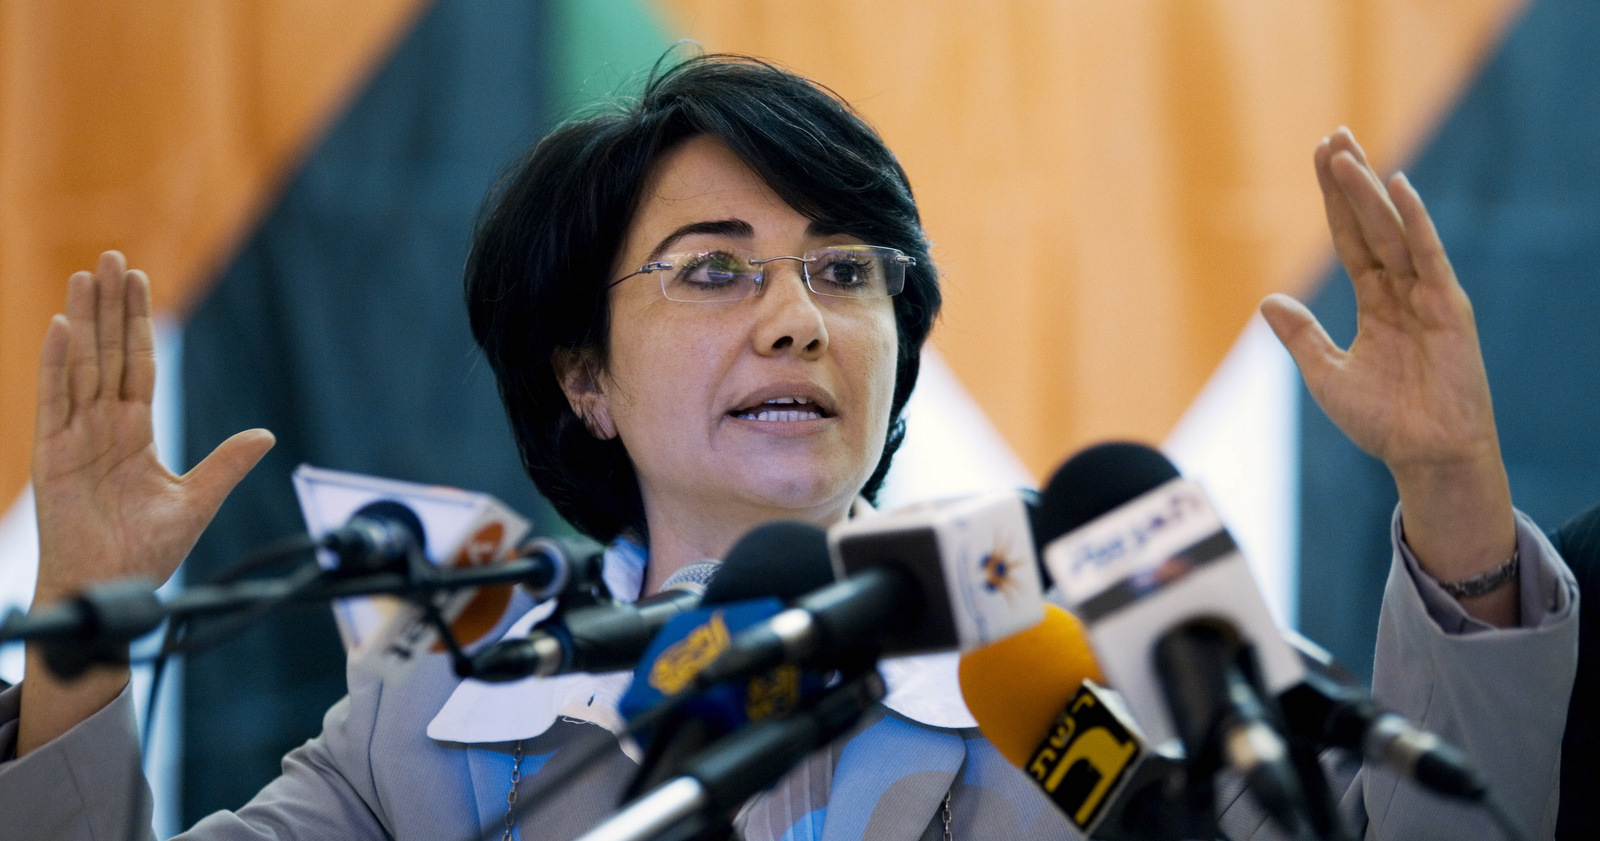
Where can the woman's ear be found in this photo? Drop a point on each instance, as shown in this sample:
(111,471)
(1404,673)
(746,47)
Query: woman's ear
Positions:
(580,378)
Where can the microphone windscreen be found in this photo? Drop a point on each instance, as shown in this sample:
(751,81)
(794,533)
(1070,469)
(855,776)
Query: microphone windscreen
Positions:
(782,559)
(1017,687)
(693,578)
(1095,481)
(397,513)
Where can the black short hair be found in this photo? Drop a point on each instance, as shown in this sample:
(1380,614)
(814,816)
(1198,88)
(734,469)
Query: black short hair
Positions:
(550,231)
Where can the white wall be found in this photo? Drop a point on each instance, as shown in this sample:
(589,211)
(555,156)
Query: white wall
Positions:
(1239,439)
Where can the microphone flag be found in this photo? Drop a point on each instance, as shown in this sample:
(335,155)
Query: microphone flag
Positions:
(972,558)
(1087,758)
(385,634)
(1133,573)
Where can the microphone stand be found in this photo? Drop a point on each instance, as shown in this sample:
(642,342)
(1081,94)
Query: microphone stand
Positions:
(718,779)
(1214,693)
(94,626)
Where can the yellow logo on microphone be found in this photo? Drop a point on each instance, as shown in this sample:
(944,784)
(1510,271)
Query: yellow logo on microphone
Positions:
(775,693)
(681,661)
(1086,756)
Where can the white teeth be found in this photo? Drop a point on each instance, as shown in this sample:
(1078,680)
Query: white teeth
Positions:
(784,417)
(787,400)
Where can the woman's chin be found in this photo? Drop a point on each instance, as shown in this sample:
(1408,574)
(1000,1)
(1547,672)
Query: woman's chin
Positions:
(802,488)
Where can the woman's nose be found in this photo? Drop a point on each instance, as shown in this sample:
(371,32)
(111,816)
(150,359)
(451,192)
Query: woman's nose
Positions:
(790,318)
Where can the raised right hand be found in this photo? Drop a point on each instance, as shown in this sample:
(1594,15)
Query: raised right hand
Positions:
(107,508)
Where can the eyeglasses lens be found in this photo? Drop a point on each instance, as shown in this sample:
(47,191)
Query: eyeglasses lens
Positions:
(862,271)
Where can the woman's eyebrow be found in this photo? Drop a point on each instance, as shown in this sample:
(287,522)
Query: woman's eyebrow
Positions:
(720,227)
(818,230)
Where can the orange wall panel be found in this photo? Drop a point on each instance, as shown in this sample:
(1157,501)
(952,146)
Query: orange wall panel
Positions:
(161,129)
(1112,186)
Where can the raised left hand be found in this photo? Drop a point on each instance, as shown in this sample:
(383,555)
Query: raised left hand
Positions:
(1411,389)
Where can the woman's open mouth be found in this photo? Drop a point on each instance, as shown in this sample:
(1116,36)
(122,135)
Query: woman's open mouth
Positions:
(782,410)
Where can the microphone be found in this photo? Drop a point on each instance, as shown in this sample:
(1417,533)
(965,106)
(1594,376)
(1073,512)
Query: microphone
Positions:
(613,636)
(597,638)
(774,562)
(1330,712)
(376,537)
(376,550)
(950,574)
(1037,699)
(381,535)
(719,778)
(91,626)
(1174,613)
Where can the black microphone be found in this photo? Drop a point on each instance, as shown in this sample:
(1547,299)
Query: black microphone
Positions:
(610,637)
(385,535)
(376,537)
(94,626)
(770,565)
(597,638)
(719,778)
(1329,711)
(848,618)
(379,553)
(381,535)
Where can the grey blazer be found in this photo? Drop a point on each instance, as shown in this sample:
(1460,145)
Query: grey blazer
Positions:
(373,773)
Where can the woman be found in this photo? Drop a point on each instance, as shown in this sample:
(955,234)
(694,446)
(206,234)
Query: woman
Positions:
(696,314)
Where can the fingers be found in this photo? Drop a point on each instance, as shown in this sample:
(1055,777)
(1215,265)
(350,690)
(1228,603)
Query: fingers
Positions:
(54,397)
(213,479)
(1381,227)
(110,348)
(110,328)
(1314,353)
(1348,240)
(84,370)
(139,377)
(1427,250)
(1344,140)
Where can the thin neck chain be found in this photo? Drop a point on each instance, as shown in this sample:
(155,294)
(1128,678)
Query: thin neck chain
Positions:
(944,814)
(516,777)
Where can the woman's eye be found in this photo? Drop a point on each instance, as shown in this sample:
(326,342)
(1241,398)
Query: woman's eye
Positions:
(714,269)
(846,273)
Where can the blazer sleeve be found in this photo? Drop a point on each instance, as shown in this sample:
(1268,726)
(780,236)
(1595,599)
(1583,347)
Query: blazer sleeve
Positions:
(1499,694)
(86,784)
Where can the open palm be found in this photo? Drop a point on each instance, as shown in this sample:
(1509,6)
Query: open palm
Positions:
(1411,389)
(107,508)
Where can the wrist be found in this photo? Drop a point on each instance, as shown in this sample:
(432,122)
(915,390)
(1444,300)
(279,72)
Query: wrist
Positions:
(1478,465)
(1457,516)
(52,706)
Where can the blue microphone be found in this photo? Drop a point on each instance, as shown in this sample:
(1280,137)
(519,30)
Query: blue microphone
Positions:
(768,566)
